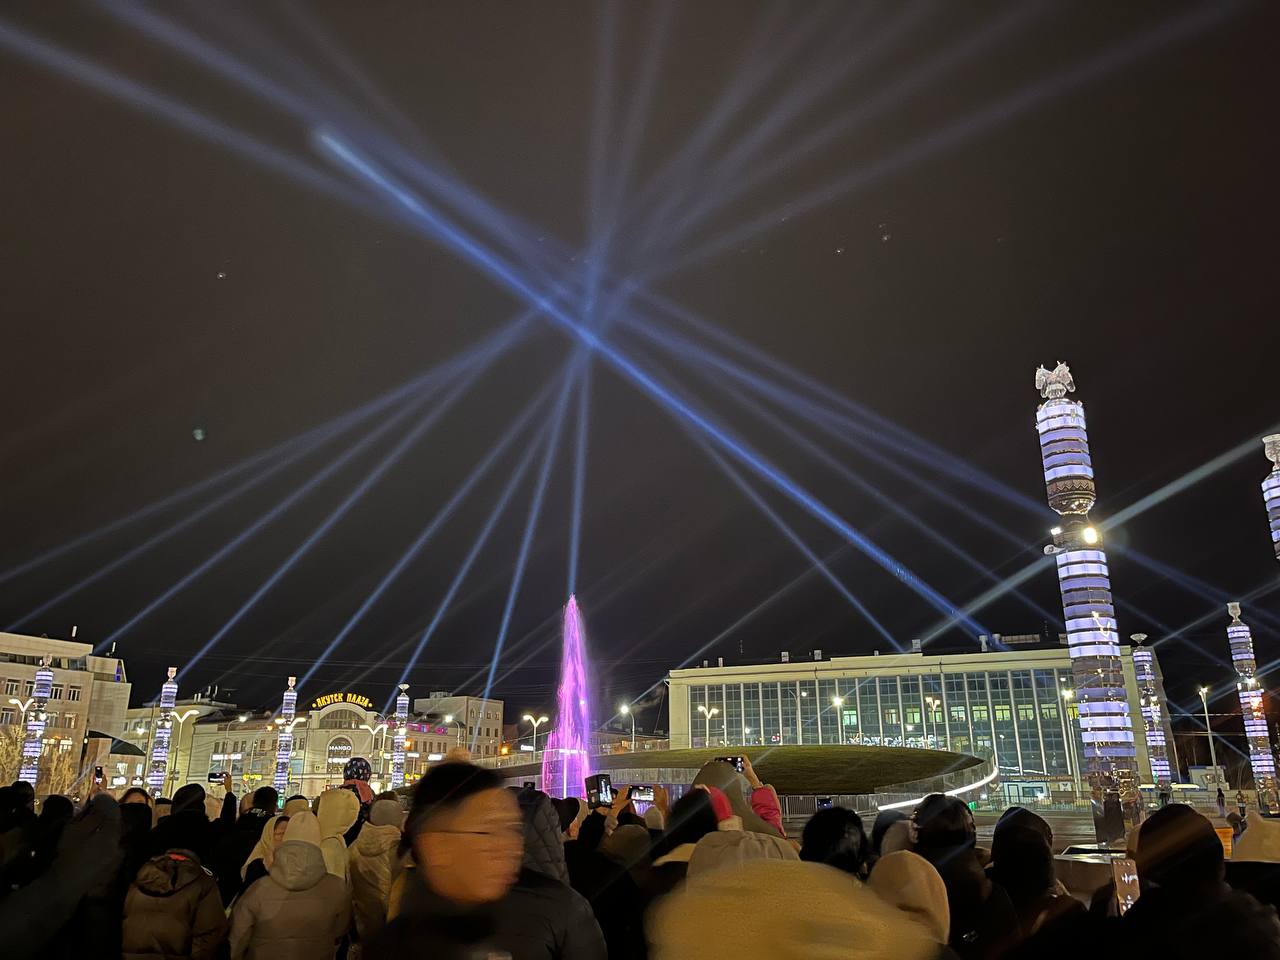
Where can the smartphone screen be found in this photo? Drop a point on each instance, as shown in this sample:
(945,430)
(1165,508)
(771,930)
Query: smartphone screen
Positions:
(1125,872)
(599,790)
(736,761)
(825,803)
(642,793)
(97,774)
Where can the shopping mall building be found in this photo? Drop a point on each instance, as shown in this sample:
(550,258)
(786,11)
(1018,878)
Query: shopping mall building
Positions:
(1011,697)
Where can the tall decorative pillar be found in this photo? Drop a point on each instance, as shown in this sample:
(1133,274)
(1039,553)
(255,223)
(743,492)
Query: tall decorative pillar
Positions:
(1261,759)
(1271,489)
(397,743)
(1152,713)
(163,732)
(1110,761)
(284,746)
(36,716)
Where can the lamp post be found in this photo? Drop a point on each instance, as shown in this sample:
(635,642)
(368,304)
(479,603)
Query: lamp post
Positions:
(838,703)
(1213,752)
(180,719)
(708,714)
(799,717)
(931,703)
(625,710)
(449,718)
(535,723)
(1068,695)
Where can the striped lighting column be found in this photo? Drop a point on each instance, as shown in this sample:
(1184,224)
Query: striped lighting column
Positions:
(1271,489)
(164,730)
(397,742)
(36,715)
(1110,761)
(1261,759)
(284,746)
(1152,712)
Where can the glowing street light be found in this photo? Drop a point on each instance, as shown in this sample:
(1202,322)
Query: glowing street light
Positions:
(708,714)
(23,705)
(838,703)
(180,719)
(535,723)
(449,718)
(625,710)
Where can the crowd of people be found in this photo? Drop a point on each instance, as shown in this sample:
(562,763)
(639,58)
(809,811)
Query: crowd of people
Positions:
(470,869)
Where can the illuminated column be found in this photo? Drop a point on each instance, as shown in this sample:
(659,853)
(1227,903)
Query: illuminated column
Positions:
(1084,581)
(284,747)
(397,743)
(1261,759)
(163,731)
(1271,489)
(1152,712)
(33,742)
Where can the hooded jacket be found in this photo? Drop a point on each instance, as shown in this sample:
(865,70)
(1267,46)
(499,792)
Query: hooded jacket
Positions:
(374,863)
(543,843)
(235,849)
(909,882)
(759,809)
(337,812)
(173,910)
(783,910)
(299,911)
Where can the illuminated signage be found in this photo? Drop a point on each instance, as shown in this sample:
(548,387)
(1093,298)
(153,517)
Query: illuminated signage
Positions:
(329,699)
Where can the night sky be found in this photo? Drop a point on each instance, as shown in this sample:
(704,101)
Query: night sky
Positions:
(1093,183)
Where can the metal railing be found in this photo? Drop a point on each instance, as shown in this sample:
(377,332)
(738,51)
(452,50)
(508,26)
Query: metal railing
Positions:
(966,783)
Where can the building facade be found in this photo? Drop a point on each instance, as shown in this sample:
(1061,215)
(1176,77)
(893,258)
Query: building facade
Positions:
(212,738)
(1017,703)
(473,719)
(88,699)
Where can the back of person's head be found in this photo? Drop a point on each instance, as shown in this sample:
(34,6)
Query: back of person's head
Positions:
(884,820)
(386,812)
(1178,848)
(1022,853)
(388,795)
(692,818)
(1259,841)
(543,846)
(466,833)
(592,831)
(911,883)
(943,822)
(23,795)
(189,799)
(164,807)
(835,837)
(296,805)
(303,828)
(628,846)
(337,811)
(57,809)
(726,778)
(266,799)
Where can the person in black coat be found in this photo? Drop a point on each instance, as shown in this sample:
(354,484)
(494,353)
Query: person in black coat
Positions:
(1022,863)
(609,887)
(239,839)
(983,921)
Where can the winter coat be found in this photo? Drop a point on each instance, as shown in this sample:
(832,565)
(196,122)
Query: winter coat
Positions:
(614,898)
(1211,921)
(235,848)
(337,812)
(173,910)
(374,862)
(782,910)
(189,830)
(983,921)
(909,882)
(543,842)
(299,911)
(544,919)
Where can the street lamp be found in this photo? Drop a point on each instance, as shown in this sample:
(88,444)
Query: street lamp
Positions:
(838,703)
(932,704)
(1208,728)
(449,719)
(799,717)
(529,718)
(1068,695)
(708,714)
(625,709)
(180,719)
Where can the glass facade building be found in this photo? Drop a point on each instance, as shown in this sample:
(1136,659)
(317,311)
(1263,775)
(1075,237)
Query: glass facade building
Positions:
(1018,704)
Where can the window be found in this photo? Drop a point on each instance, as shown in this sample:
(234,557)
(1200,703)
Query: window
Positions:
(912,714)
(7,715)
(957,713)
(69,721)
(1026,711)
(55,691)
(73,694)
(11,687)
(28,687)
(1003,713)
(1049,711)
(979,712)
(891,715)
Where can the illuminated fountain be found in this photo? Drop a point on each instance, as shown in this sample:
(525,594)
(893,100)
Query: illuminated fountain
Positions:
(565,761)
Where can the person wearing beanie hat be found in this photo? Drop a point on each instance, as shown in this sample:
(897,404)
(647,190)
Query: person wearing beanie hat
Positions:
(374,862)
(356,775)
(299,911)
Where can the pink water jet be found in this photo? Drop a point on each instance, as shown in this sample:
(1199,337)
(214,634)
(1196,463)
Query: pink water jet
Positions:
(565,760)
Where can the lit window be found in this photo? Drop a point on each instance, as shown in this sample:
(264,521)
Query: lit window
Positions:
(1026,711)
(1003,713)
(979,713)
(957,713)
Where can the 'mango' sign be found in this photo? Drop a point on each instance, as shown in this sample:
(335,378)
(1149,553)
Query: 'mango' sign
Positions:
(329,699)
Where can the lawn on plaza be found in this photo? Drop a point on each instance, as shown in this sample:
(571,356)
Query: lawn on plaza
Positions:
(796,770)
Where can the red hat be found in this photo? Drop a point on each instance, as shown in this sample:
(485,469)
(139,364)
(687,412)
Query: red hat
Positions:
(719,803)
